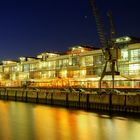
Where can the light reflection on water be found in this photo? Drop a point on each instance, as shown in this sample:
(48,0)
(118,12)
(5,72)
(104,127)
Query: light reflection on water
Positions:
(24,121)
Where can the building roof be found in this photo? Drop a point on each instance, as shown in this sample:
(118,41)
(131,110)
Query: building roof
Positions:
(84,46)
(127,40)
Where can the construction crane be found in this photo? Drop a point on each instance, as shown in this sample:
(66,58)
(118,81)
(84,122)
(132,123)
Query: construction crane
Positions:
(109,49)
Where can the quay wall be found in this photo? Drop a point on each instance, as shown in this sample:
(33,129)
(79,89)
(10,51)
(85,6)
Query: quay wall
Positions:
(89,101)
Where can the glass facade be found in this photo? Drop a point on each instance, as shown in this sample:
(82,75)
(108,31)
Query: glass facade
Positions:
(79,66)
(135,55)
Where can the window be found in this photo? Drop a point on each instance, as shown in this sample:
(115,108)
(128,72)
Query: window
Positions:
(74,61)
(99,59)
(135,55)
(124,54)
(26,67)
(33,67)
(89,60)
(134,69)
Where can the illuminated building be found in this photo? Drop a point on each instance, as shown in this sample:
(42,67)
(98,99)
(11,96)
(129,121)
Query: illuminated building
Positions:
(80,66)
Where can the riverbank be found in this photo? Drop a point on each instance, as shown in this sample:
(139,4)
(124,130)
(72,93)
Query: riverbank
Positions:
(88,101)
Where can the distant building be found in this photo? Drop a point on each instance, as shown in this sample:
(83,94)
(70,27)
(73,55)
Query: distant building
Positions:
(80,66)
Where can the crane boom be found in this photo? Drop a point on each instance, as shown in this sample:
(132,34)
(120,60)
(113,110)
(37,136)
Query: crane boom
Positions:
(109,50)
(112,33)
(100,30)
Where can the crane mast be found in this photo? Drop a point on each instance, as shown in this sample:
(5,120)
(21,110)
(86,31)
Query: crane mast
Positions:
(110,51)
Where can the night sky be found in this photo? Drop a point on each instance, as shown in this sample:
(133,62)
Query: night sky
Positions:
(30,27)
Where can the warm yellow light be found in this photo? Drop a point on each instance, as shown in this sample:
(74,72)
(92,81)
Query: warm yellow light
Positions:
(80,47)
(0,76)
(22,58)
(8,62)
(123,39)
(73,48)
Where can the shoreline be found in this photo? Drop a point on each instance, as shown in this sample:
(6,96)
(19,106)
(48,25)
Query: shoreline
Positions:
(126,103)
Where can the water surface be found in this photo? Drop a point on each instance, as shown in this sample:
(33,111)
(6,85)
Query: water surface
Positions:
(26,121)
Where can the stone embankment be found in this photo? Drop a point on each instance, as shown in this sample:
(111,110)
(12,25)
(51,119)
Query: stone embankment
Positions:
(89,101)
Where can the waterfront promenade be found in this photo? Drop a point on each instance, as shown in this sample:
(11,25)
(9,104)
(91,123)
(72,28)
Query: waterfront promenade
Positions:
(89,100)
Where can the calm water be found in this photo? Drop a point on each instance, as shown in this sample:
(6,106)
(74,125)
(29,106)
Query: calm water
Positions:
(24,121)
